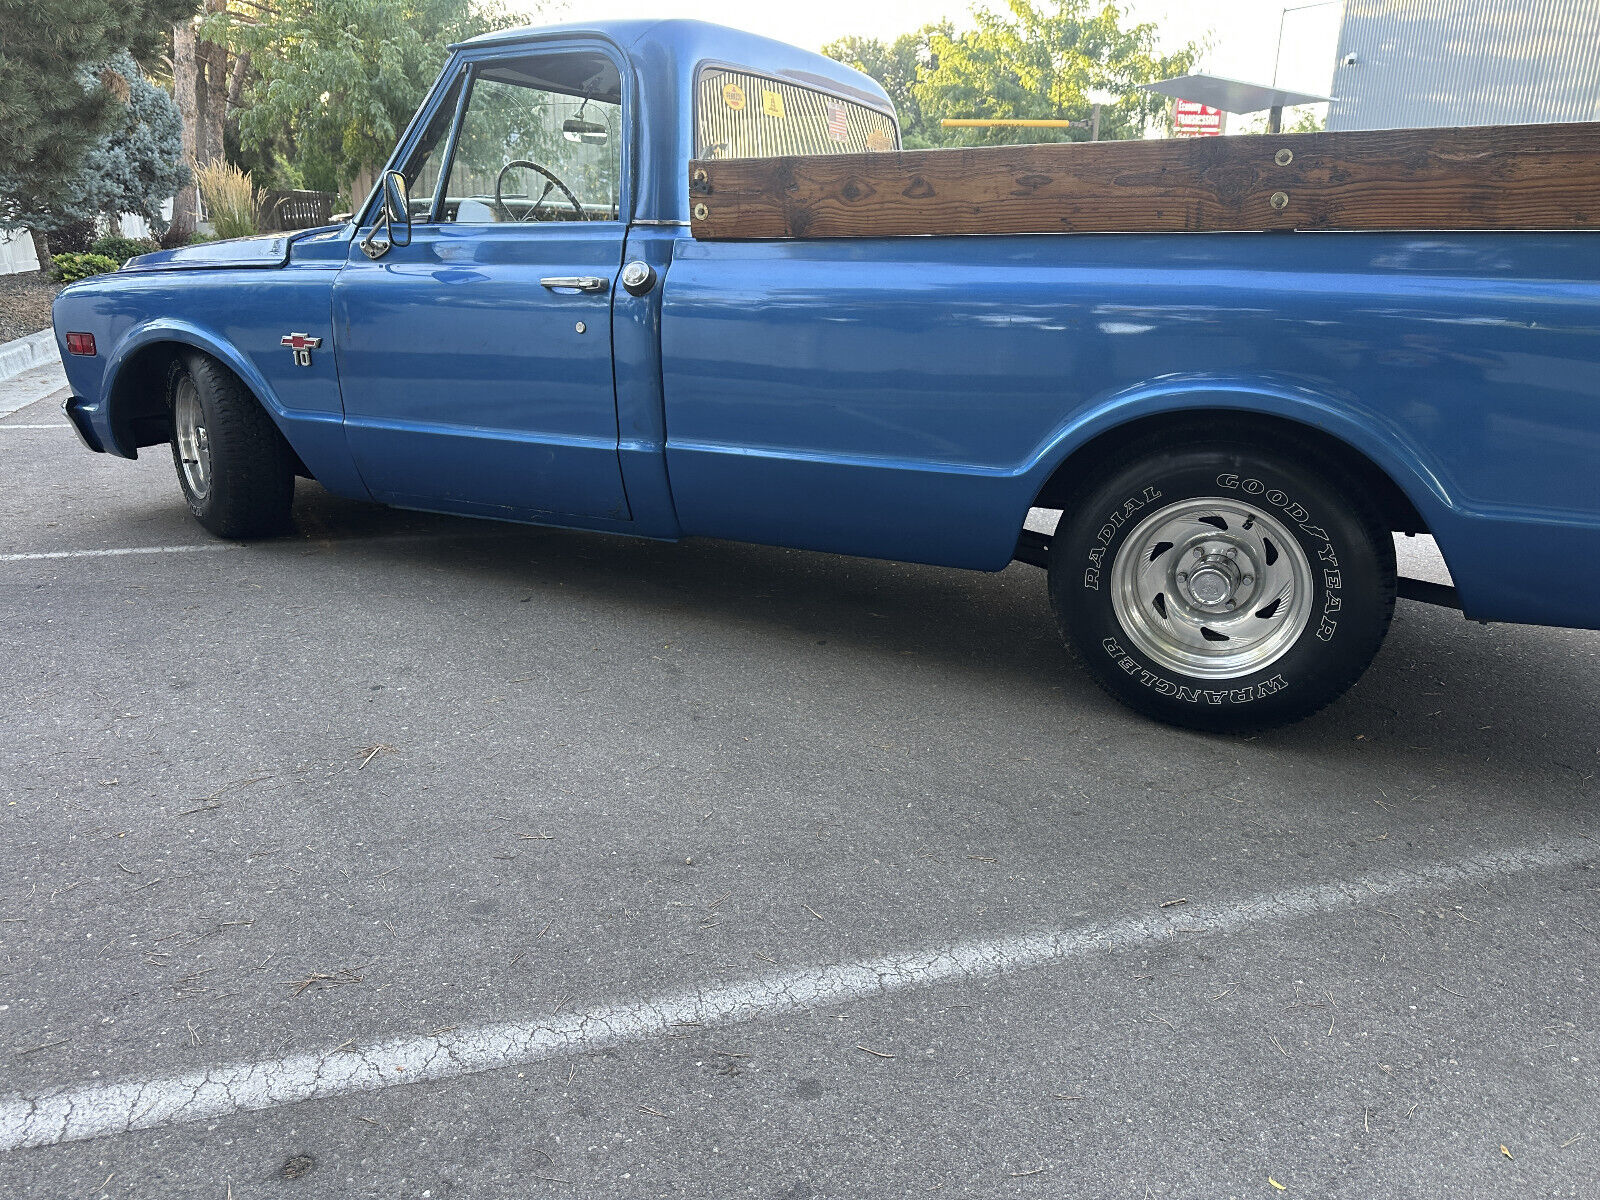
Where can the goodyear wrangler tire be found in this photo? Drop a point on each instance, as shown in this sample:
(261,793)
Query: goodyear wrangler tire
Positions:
(1222,586)
(235,469)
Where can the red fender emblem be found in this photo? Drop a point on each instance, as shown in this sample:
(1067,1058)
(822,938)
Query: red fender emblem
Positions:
(302,344)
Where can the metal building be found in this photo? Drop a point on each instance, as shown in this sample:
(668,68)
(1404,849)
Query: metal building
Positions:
(1415,63)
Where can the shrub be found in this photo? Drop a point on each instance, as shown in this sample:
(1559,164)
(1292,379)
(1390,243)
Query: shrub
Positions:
(231,200)
(72,267)
(72,236)
(200,239)
(122,248)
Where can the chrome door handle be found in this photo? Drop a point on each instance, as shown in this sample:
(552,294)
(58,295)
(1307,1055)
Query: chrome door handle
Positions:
(578,283)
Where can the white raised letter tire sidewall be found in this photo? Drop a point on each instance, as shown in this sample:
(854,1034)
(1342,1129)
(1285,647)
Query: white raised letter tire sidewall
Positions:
(1348,606)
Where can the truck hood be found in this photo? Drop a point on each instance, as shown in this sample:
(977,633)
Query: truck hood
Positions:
(264,250)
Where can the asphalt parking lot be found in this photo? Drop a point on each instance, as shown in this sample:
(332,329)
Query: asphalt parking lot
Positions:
(421,857)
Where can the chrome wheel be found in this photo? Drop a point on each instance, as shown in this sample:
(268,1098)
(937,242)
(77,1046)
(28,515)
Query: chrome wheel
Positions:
(1212,588)
(193,443)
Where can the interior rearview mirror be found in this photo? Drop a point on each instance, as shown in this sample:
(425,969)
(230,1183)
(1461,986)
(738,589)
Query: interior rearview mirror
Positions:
(590,133)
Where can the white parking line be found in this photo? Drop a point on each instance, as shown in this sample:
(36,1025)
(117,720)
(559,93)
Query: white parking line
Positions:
(476,531)
(119,551)
(57,425)
(92,1110)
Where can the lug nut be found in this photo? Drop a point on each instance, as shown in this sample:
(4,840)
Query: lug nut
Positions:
(1199,552)
(1247,581)
(1232,553)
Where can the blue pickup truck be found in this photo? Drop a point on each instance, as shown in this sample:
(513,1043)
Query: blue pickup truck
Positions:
(519,325)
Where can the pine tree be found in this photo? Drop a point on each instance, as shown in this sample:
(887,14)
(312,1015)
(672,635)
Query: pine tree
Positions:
(135,166)
(52,109)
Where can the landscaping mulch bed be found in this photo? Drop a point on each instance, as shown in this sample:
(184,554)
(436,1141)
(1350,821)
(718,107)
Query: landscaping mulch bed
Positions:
(25,303)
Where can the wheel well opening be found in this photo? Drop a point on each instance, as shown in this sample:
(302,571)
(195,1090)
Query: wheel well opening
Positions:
(1392,505)
(139,397)
(139,412)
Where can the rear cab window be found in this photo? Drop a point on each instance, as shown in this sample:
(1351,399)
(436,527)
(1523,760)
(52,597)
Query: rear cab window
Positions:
(744,115)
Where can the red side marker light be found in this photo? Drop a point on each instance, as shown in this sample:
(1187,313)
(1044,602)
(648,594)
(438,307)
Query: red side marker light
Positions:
(80,343)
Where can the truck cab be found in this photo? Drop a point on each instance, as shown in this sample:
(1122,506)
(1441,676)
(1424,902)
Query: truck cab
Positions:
(476,359)
(489,360)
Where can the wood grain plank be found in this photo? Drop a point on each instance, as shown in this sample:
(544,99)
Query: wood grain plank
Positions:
(1490,177)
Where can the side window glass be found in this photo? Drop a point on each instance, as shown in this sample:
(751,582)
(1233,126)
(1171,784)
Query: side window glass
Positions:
(541,140)
(427,160)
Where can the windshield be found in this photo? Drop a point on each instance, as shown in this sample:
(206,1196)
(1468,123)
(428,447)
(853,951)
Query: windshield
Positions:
(741,115)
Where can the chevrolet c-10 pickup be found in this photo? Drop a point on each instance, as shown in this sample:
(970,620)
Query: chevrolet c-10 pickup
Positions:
(520,323)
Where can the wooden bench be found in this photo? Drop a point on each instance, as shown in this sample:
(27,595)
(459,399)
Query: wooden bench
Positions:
(283,211)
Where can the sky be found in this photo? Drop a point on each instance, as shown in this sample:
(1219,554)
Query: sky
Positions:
(1242,35)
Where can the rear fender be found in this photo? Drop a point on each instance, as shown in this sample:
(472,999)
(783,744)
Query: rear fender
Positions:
(1359,427)
(1344,418)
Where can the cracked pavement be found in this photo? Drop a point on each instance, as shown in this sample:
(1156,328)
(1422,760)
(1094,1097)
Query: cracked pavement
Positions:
(401,778)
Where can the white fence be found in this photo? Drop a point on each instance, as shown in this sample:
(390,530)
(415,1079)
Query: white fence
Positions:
(16,249)
(16,253)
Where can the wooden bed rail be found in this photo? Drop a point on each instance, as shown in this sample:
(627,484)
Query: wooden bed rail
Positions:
(1488,177)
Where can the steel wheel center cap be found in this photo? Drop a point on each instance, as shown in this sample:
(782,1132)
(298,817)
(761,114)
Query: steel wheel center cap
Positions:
(1212,584)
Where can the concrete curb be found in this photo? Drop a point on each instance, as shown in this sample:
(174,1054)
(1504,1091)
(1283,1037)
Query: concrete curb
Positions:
(26,352)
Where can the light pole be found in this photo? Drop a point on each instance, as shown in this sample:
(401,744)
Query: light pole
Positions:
(1283,14)
(1100,98)
(1275,117)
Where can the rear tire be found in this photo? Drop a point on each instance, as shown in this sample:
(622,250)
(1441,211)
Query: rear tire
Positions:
(235,469)
(1220,585)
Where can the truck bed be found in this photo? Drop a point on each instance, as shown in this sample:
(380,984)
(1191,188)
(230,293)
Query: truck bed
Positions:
(909,397)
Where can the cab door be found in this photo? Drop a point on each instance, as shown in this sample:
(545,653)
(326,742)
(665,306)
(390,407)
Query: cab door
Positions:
(475,362)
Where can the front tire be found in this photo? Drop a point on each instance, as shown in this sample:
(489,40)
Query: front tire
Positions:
(1223,586)
(235,469)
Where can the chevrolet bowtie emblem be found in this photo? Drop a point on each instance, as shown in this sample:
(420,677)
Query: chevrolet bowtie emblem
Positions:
(302,344)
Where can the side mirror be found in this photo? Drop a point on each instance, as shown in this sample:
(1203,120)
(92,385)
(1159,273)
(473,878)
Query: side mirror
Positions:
(397,199)
(393,226)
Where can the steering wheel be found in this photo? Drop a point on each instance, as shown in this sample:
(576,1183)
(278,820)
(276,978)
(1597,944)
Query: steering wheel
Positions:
(555,182)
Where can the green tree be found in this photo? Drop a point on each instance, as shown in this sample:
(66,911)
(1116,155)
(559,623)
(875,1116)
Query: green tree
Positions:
(1306,120)
(133,167)
(336,81)
(51,110)
(1032,61)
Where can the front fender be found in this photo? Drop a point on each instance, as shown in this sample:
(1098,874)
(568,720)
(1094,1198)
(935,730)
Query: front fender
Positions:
(166,331)
(304,404)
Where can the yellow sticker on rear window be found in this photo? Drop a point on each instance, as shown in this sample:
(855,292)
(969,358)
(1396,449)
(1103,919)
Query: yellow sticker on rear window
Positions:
(772,103)
(733,95)
(879,142)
